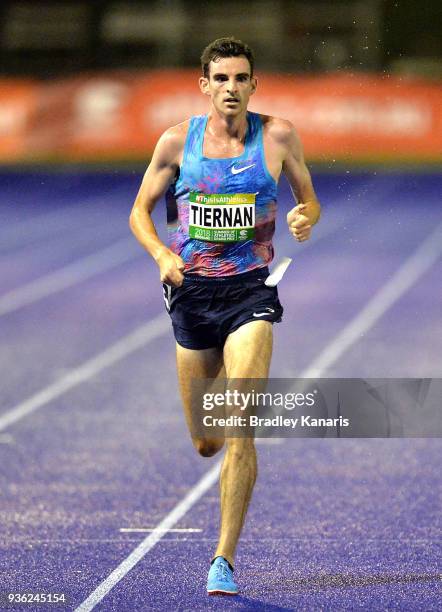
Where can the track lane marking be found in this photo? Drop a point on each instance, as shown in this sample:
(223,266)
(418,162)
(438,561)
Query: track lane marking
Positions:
(41,225)
(195,493)
(127,345)
(119,252)
(402,280)
(414,266)
(149,529)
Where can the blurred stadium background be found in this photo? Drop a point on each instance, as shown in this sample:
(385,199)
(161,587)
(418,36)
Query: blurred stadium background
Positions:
(100,80)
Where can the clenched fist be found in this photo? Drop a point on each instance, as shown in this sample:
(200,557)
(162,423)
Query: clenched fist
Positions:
(299,224)
(171,268)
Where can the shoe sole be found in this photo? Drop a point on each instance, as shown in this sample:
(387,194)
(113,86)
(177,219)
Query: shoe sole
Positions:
(218,592)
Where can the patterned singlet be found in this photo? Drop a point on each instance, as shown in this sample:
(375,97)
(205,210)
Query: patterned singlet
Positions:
(221,212)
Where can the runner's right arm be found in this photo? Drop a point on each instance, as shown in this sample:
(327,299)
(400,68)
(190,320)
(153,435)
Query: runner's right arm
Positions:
(159,175)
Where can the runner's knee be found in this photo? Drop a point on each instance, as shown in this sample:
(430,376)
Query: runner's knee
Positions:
(207,447)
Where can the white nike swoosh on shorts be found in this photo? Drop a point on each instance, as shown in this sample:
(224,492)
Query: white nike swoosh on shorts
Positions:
(238,170)
(263,314)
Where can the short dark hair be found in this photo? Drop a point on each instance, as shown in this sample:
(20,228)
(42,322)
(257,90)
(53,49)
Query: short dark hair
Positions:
(225,47)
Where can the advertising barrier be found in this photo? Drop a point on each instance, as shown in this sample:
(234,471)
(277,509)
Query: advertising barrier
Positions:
(120,115)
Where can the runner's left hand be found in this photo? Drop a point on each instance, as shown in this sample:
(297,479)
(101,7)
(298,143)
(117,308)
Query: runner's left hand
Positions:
(299,224)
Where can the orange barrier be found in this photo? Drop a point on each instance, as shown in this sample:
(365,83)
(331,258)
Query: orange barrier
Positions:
(121,115)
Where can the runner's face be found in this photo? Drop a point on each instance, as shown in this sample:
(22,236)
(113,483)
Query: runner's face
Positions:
(229,85)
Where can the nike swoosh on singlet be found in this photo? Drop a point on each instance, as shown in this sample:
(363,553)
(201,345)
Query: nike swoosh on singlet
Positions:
(238,170)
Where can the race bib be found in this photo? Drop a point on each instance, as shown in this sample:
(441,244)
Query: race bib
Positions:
(219,217)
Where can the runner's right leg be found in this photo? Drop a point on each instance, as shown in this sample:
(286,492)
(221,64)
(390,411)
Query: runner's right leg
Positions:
(206,363)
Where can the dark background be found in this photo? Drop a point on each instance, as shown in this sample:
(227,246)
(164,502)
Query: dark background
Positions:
(51,39)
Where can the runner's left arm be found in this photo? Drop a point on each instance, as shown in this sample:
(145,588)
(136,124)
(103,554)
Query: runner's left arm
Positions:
(307,212)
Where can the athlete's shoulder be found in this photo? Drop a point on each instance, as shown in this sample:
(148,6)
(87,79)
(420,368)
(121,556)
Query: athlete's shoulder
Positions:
(175,136)
(171,143)
(282,131)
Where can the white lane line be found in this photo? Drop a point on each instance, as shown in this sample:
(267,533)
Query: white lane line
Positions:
(195,493)
(403,279)
(13,234)
(117,253)
(416,265)
(32,228)
(150,529)
(130,343)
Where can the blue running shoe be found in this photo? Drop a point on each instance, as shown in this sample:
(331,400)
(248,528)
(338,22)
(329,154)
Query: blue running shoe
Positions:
(220,579)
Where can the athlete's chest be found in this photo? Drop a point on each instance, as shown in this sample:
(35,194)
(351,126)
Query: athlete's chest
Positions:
(239,174)
(217,165)
(237,159)
(219,148)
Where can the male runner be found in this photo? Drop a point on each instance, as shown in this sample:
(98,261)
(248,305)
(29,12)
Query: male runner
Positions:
(220,172)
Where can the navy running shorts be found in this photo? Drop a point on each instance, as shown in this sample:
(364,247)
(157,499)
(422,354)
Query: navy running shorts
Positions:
(204,311)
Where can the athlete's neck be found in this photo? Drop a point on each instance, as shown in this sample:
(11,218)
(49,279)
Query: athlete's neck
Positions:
(233,127)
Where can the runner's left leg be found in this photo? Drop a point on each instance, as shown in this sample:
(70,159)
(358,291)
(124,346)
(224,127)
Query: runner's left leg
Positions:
(247,354)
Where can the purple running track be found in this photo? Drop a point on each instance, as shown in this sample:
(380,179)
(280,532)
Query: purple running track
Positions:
(333,524)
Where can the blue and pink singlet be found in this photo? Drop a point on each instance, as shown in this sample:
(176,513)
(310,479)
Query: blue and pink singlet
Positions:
(221,212)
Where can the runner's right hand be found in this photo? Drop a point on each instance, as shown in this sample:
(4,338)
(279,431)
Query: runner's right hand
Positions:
(171,268)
